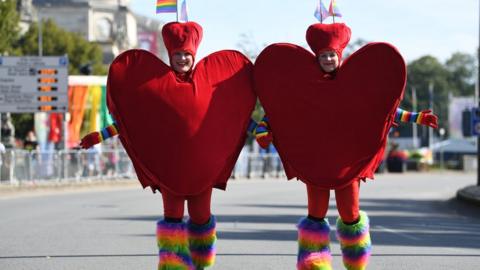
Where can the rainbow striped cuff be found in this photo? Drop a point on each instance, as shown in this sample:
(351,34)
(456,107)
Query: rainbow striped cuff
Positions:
(172,242)
(202,239)
(108,132)
(355,242)
(262,128)
(406,116)
(313,245)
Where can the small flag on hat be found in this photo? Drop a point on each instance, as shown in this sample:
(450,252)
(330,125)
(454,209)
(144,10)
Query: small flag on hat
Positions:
(334,10)
(184,11)
(166,6)
(321,12)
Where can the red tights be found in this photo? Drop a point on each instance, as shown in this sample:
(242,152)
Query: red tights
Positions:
(347,202)
(198,206)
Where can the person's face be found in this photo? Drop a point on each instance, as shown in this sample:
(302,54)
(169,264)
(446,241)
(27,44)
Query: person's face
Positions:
(328,61)
(182,62)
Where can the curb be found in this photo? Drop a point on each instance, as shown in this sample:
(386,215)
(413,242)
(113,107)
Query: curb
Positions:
(29,189)
(469,194)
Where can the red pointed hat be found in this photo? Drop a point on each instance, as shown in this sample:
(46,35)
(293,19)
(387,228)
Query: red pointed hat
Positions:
(179,36)
(325,37)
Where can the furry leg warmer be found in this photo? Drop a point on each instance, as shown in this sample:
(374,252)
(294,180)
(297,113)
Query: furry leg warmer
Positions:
(313,245)
(355,242)
(173,246)
(202,240)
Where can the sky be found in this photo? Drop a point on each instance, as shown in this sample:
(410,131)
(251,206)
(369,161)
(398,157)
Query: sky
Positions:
(415,27)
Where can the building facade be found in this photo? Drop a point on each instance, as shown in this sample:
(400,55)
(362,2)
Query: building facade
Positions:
(109,23)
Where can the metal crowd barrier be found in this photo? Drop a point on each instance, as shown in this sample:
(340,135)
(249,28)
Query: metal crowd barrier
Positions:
(20,166)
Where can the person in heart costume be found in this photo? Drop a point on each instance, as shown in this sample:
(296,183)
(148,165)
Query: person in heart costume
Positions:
(183,129)
(329,124)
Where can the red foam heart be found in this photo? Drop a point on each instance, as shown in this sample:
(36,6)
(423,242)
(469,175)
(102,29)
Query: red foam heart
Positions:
(183,136)
(330,131)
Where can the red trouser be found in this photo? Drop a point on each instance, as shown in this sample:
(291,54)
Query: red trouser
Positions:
(198,206)
(347,201)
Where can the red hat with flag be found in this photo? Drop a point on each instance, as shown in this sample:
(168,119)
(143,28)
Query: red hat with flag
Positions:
(328,37)
(179,36)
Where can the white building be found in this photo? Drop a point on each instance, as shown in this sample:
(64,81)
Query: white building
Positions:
(110,23)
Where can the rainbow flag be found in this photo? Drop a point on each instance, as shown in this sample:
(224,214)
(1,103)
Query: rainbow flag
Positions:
(321,12)
(334,10)
(166,6)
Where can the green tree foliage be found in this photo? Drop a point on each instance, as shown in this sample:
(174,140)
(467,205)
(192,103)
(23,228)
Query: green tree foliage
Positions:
(425,74)
(455,77)
(461,68)
(23,123)
(57,41)
(9,29)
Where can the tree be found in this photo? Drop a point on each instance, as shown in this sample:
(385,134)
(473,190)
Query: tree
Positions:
(354,46)
(23,123)
(461,68)
(9,29)
(57,41)
(425,73)
(248,46)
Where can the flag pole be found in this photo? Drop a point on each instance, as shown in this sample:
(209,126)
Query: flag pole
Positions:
(320,10)
(176,6)
(332,9)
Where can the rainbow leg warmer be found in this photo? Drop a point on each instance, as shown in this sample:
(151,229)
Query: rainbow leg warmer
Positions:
(355,242)
(313,245)
(173,246)
(202,240)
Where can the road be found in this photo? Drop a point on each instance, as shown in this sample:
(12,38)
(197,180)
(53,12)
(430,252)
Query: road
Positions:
(415,224)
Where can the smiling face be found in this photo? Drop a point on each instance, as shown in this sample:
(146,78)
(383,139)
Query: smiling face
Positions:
(328,61)
(182,62)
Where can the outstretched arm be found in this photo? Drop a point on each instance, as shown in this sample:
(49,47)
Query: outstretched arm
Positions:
(425,117)
(96,137)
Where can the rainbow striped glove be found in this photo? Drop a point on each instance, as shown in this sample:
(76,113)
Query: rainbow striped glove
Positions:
(425,117)
(96,137)
(263,134)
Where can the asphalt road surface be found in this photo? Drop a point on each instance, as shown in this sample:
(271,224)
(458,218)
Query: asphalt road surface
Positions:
(415,224)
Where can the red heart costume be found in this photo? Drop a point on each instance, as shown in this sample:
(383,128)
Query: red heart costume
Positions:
(330,130)
(182,133)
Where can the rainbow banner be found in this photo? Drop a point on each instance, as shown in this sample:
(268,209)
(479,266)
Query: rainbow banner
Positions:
(166,6)
(334,10)
(321,12)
